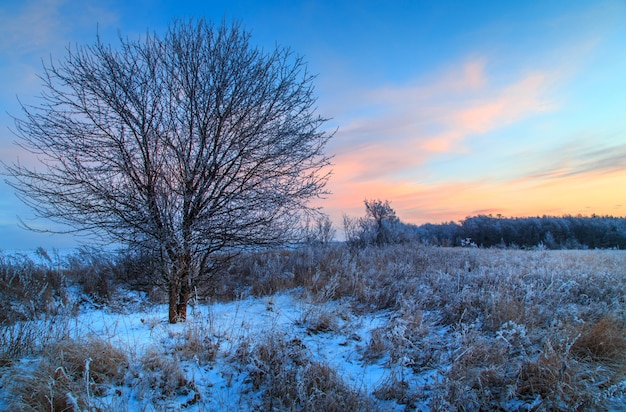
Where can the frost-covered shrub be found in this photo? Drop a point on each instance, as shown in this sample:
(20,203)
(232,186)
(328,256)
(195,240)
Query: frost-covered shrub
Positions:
(602,340)
(289,379)
(69,375)
(377,345)
(396,387)
(197,342)
(559,381)
(482,368)
(103,362)
(321,318)
(160,376)
(29,290)
(48,388)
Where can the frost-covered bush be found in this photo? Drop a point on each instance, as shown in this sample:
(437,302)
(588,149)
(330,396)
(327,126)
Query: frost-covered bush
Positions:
(160,376)
(289,379)
(29,289)
(197,342)
(380,226)
(102,274)
(69,376)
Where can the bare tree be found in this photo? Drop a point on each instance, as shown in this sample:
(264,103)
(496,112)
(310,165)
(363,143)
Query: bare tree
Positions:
(380,226)
(190,145)
(382,217)
(320,231)
(353,231)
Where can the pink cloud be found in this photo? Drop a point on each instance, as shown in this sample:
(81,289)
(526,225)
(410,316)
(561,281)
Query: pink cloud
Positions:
(402,127)
(499,108)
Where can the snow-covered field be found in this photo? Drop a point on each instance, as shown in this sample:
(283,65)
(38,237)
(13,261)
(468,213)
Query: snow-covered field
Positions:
(223,383)
(393,329)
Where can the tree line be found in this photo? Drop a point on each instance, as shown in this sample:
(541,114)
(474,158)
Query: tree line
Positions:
(380,225)
(551,232)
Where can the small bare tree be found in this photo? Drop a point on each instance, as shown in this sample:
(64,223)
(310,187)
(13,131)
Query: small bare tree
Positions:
(320,232)
(380,225)
(382,217)
(190,146)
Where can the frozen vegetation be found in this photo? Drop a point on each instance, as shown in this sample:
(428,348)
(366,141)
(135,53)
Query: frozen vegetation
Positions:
(397,327)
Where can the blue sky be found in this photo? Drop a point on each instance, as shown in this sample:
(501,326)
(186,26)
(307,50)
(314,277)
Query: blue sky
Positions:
(447,109)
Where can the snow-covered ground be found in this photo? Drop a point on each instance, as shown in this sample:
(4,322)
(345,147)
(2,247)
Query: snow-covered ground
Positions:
(516,330)
(326,332)
(287,315)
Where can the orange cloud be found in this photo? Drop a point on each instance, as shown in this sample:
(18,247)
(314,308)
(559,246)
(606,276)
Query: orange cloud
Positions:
(402,127)
(457,79)
(453,201)
(382,152)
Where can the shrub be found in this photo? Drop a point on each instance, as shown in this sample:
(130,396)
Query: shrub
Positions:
(602,341)
(197,342)
(289,380)
(161,375)
(69,373)
(29,290)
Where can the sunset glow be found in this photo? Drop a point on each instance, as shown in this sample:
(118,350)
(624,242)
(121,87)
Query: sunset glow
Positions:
(445,110)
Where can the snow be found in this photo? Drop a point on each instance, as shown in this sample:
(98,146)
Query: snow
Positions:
(420,353)
(286,314)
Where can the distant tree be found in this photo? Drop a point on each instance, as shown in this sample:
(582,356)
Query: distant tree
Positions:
(379,226)
(189,146)
(319,231)
(353,231)
(382,217)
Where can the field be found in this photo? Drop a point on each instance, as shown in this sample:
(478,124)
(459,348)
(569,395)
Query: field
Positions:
(402,327)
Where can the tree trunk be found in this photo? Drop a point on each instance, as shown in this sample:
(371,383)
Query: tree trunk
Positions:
(183,299)
(173,301)
(180,289)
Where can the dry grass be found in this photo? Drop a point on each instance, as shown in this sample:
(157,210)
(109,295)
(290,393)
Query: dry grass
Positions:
(602,341)
(377,345)
(69,374)
(104,362)
(29,290)
(511,318)
(197,342)
(482,373)
(322,318)
(398,388)
(495,329)
(48,388)
(161,376)
(320,388)
(288,379)
(559,381)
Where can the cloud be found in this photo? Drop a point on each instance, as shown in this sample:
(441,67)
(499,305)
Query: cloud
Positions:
(389,141)
(577,158)
(518,100)
(491,109)
(455,200)
(393,131)
(393,135)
